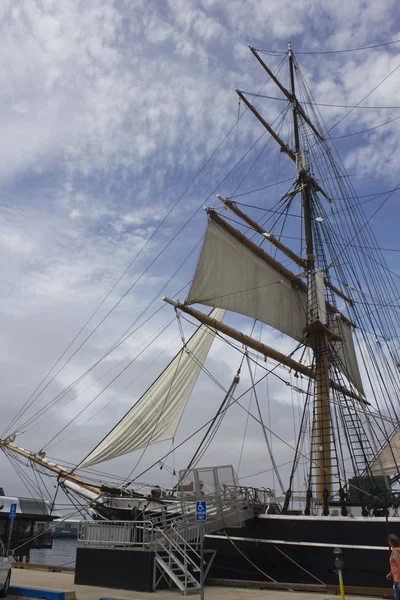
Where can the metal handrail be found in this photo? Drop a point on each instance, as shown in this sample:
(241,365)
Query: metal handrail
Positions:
(186,542)
(252,494)
(143,528)
(179,549)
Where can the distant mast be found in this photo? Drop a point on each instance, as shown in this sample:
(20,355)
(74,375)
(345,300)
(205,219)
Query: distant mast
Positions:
(316,331)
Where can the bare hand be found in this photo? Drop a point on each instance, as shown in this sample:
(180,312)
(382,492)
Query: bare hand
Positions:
(389,576)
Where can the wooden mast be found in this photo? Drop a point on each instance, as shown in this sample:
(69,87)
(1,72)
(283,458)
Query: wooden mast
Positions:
(316,331)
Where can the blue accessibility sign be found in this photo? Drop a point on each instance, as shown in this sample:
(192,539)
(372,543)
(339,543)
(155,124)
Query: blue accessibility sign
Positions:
(201,510)
(13,511)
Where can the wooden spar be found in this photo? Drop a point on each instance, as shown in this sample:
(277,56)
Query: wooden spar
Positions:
(288,95)
(254,225)
(267,126)
(277,243)
(242,338)
(285,148)
(257,250)
(270,73)
(338,292)
(62,473)
(289,275)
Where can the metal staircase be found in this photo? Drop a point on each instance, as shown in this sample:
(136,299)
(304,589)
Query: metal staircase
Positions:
(173,533)
(177,561)
(177,558)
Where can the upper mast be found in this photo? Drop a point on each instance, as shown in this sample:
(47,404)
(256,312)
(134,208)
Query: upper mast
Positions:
(315,330)
(300,163)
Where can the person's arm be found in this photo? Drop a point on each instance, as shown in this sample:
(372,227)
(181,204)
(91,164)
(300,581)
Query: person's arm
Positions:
(390,575)
(396,556)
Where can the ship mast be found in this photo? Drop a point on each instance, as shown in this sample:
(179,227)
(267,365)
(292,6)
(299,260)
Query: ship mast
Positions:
(317,333)
(305,193)
(245,279)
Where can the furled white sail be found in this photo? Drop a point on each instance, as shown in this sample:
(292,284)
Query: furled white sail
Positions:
(388,460)
(155,416)
(230,275)
(345,358)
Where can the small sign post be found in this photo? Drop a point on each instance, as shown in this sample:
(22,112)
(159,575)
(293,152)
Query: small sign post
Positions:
(12,515)
(201,515)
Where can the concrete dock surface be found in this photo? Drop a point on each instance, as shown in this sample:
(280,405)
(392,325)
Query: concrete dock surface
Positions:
(65,582)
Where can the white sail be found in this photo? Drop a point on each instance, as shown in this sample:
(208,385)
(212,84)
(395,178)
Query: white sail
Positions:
(387,461)
(230,275)
(345,358)
(155,416)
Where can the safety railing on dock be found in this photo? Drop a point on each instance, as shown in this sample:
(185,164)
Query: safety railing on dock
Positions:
(228,505)
(128,534)
(121,534)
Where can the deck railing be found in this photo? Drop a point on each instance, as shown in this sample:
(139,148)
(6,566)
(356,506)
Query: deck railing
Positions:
(122,534)
(228,506)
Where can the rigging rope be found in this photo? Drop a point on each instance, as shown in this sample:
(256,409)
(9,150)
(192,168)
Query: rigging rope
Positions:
(105,388)
(122,339)
(250,561)
(298,565)
(362,100)
(149,441)
(331,231)
(112,401)
(37,393)
(271,455)
(239,463)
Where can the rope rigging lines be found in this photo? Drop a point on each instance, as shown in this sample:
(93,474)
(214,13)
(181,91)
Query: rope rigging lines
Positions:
(50,377)
(347,252)
(337,51)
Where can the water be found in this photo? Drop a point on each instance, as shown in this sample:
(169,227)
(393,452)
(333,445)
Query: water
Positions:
(62,553)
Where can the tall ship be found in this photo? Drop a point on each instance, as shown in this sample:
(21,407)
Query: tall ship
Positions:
(305,273)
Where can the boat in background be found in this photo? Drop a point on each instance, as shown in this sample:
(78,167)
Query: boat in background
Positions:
(29,529)
(65,528)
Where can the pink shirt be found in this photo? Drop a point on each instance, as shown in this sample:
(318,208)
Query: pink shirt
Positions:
(394,567)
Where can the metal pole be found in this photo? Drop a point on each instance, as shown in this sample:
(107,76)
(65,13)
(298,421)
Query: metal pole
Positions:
(11,521)
(202,560)
(341,586)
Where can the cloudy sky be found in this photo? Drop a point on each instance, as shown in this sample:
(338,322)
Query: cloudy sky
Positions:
(108,113)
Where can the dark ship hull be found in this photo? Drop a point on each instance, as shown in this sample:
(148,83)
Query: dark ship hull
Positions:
(299,549)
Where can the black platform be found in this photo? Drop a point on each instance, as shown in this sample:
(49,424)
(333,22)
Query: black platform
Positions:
(118,569)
